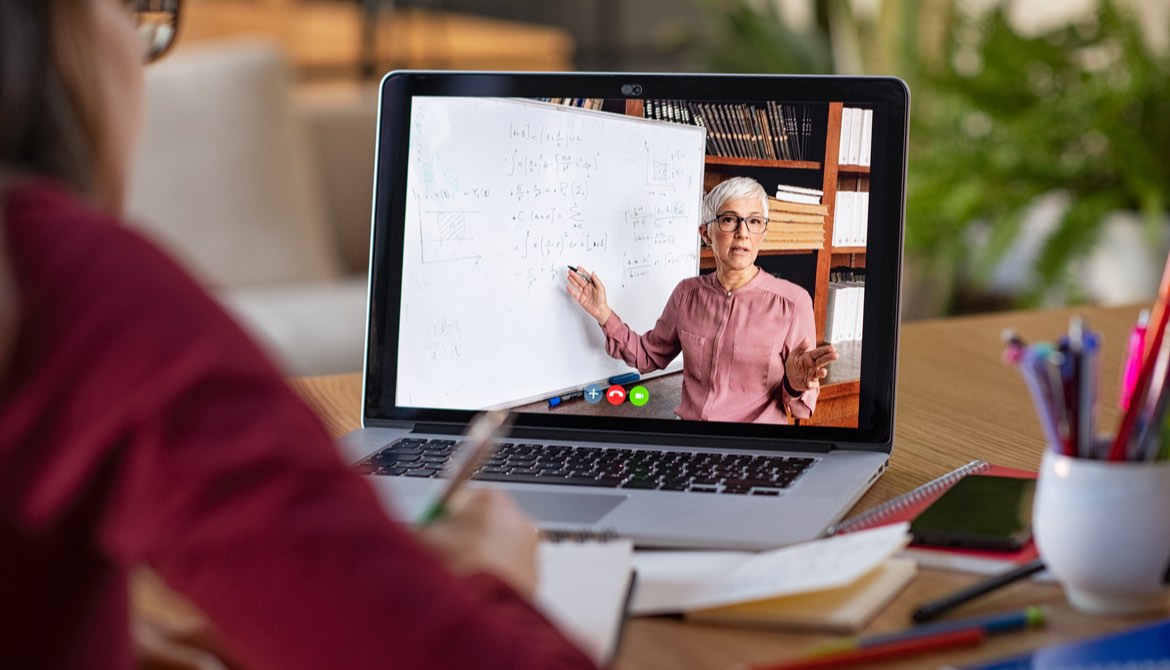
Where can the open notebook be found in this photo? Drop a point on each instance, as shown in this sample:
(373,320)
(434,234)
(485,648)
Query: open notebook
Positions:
(584,588)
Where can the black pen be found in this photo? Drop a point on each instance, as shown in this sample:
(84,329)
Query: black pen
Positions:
(933,609)
(582,274)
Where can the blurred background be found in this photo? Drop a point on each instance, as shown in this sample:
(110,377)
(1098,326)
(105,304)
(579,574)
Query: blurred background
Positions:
(1039,143)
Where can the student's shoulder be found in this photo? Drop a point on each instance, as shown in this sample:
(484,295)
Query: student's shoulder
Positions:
(51,230)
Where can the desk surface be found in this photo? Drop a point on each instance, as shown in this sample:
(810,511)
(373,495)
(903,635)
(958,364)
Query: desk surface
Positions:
(956,402)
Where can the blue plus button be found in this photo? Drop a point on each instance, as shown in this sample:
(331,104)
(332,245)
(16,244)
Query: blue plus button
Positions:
(594,393)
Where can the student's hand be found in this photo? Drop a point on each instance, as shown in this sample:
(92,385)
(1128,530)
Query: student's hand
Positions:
(591,296)
(805,366)
(485,531)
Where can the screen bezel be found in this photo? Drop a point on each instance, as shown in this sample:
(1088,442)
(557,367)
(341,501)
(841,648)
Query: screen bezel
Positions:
(888,96)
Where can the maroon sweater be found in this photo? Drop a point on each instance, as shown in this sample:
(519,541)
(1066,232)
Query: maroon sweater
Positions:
(138,424)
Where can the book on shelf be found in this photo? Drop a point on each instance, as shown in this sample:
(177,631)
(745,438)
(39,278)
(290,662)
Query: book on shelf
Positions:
(823,585)
(1146,647)
(777,205)
(584,586)
(843,144)
(790,217)
(866,136)
(799,194)
(907,506)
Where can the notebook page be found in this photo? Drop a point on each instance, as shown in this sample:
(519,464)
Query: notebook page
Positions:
(583,588)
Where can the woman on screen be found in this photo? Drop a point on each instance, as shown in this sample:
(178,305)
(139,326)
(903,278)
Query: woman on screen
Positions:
(747,337)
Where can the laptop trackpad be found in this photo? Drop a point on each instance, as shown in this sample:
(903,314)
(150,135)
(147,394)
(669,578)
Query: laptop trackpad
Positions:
(566,507)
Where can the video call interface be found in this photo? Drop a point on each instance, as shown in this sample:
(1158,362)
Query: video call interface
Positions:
(528,219)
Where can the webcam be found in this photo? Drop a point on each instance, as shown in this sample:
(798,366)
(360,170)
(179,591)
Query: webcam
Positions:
(631,89)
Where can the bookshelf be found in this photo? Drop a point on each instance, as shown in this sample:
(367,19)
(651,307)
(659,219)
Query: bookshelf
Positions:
(837,404)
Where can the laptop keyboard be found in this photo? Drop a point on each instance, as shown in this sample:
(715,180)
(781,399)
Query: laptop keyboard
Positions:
(528,463)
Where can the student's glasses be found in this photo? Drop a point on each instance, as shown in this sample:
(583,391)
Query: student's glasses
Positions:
(729,223)
(158,22)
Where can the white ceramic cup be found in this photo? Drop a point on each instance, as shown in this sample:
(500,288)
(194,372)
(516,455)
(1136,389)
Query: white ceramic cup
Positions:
(1103,530)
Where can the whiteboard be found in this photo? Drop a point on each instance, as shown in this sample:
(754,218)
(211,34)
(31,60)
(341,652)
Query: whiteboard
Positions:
(502,195)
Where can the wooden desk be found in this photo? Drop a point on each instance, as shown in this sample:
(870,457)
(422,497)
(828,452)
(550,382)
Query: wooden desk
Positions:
(956,402)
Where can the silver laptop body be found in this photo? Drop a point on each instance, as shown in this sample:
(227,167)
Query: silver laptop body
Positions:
(488,179)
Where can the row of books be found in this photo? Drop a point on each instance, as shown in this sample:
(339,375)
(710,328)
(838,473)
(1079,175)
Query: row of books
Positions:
(583,103)
(846,305)
(851,220)
(856,136)
(795,225)
(768,131)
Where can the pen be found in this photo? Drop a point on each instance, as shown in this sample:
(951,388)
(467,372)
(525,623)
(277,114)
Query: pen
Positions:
(933,609)
(558,400)
(1135,352)
(480,442)
(582,274)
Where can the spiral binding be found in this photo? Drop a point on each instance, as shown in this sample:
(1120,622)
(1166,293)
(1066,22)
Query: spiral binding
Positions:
(875,515)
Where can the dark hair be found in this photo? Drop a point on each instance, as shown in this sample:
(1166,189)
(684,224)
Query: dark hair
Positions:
(44,129)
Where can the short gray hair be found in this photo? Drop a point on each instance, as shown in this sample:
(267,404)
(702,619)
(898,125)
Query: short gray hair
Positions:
(733,189)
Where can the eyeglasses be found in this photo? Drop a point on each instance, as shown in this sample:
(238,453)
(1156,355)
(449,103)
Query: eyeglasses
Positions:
(158,22)
(729,223)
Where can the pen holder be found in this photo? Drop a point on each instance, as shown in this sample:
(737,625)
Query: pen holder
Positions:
(1103,529)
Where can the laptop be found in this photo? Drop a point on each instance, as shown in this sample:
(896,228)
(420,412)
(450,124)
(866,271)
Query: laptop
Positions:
(491,188)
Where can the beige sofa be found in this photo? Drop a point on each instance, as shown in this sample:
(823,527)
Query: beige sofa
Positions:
(263,191)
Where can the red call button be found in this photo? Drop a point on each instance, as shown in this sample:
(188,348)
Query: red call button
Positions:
(615,394)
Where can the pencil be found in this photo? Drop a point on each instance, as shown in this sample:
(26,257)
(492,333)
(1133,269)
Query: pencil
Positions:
(480,443)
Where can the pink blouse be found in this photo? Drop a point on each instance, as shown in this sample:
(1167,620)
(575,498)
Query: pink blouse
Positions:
(734,345)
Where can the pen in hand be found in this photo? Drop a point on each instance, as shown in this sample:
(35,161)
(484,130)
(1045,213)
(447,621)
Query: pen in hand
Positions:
(478,444)
(583,275)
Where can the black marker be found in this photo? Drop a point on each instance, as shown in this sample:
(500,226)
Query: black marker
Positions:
(933,609)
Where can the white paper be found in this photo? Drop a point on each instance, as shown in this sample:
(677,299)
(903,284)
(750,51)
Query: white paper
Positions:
(680,581)
(582,588)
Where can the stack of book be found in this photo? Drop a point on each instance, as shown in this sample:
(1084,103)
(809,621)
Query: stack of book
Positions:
(765,131)
(794,225)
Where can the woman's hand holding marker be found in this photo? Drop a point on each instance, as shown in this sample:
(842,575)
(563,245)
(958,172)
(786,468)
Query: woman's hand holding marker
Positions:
(587,289)
(805,367)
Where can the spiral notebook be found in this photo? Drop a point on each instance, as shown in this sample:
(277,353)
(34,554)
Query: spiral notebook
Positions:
(585,585)
(910,504)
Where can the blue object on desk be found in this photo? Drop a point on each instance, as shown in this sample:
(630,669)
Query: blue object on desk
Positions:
(1145,647)
(627,378)
(555,401)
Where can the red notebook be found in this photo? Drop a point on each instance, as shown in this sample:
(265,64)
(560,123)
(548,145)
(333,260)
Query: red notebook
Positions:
(909,505)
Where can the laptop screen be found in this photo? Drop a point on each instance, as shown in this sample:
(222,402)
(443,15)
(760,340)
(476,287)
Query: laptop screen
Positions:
(655,254)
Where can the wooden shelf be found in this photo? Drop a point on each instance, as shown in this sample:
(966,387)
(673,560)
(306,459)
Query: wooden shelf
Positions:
(848,250)
(853,169)
(760,162)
